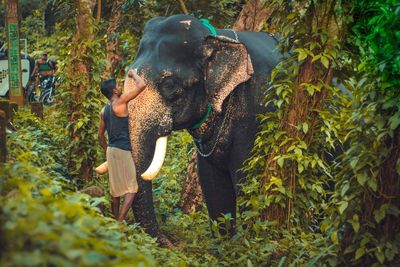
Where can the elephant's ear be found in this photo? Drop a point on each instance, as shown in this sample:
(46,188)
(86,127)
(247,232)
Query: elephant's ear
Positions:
(228,65)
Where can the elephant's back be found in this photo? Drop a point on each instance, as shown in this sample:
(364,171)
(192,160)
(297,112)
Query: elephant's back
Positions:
(262,48)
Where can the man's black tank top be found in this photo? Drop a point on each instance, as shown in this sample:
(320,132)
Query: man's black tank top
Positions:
(117,129)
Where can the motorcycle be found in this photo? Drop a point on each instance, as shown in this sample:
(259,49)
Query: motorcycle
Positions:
(47,89)
(46,86)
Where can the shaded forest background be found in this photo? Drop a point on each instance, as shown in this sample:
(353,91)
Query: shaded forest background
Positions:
(323,181)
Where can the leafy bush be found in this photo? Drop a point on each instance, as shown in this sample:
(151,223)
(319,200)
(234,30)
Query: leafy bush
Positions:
(45,221)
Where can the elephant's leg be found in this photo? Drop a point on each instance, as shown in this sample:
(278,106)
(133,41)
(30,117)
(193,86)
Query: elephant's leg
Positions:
(243,139)
(143,209)
(241,149)
(218,192)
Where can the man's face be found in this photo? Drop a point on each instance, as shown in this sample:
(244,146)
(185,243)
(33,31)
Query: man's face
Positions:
(44,57)
(118,91)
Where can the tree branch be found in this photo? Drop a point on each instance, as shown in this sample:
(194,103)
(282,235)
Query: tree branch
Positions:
(183,7)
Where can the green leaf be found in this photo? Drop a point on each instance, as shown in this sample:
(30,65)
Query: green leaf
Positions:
(302,55)
(282,261)
(394,121)
(334,237)
(379,255)
(325,61)
(379,214)
(343,206)
(46,192)
(79,124)
(280,161)
(372,184)
(300,167)
(310,90)
(355,223)
(298,152)
(359,253)
(353,162)
(305,127)
(324,226)
(345,187)
(361,178)
(291,16)
(315,58)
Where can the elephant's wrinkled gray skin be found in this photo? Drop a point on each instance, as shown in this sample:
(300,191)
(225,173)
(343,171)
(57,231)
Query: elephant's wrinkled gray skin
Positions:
(186,69)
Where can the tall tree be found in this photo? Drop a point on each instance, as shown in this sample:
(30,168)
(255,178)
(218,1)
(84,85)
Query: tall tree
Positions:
(81,164)
(253,16)
(191,194)
(113,55)
(316,34)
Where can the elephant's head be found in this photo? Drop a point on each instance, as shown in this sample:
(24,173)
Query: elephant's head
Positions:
(186,69)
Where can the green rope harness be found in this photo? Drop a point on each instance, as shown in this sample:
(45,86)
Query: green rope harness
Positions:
(209,111)
(206,23)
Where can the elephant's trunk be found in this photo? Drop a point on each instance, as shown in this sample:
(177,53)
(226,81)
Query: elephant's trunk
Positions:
(149,119)
(158,159)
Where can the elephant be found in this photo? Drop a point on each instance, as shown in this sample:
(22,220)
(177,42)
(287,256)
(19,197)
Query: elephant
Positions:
(205,80)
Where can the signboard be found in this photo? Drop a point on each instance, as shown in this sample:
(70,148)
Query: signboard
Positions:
(14,60)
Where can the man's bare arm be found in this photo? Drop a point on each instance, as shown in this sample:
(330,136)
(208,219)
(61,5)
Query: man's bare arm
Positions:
(140,85)
(34,70)
(102,130)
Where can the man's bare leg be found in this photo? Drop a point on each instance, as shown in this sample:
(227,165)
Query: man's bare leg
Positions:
(128,199)
(115,206)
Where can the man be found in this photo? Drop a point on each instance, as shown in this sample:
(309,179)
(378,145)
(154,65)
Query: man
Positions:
(44,67)
(114,119)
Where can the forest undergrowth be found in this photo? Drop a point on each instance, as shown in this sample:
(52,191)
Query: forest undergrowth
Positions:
(46,221)
(323,191)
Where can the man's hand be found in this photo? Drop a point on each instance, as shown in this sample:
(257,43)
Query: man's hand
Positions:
(134,85)
(132,73)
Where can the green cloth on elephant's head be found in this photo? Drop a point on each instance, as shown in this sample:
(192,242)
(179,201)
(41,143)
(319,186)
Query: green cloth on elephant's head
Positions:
(206,23)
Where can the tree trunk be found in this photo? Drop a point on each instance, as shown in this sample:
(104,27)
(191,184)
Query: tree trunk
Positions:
(113,55)
(79,69)
(191,195)
(253,16)
(302,108)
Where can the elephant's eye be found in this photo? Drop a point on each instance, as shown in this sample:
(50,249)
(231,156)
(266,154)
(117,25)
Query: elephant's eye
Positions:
(169,89)
(168,84)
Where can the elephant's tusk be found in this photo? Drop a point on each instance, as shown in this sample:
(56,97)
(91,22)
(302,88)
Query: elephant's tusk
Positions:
(101,169)
(158,159)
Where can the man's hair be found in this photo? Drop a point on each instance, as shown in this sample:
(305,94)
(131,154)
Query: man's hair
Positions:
(107,87)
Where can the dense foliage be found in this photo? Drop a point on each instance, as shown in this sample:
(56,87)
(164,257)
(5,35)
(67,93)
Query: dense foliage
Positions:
(341,201)
(345,195)
(368,185)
